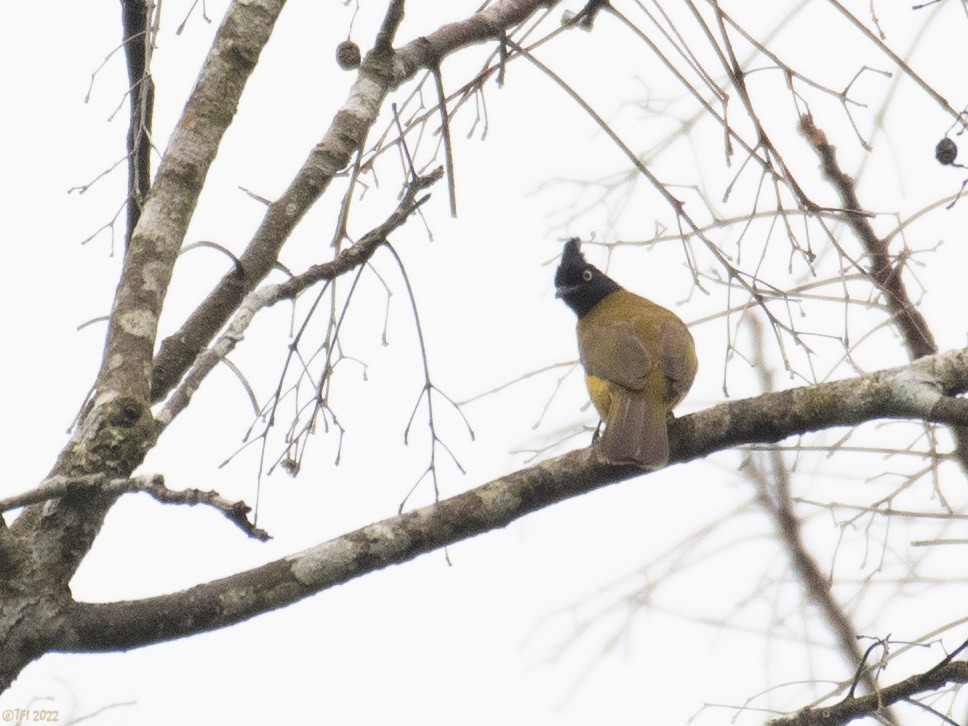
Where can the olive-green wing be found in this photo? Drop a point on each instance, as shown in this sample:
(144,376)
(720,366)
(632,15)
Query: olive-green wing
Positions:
(677,355)
(614,352)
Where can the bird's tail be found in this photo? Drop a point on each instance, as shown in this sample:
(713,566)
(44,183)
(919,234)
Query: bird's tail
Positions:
(635,433)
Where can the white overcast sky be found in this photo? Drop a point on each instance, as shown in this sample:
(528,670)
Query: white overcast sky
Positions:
(477,641)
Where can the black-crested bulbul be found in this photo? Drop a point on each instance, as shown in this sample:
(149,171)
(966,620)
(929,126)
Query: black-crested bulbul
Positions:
(639,361)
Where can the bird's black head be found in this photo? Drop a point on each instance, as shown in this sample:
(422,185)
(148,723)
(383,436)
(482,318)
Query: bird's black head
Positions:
(580,284)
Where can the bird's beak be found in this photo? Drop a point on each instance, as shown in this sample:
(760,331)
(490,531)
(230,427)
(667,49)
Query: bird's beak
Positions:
(564,290)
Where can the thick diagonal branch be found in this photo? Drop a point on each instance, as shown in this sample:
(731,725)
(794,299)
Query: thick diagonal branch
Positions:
(168,208)
(912,391)
(116,428)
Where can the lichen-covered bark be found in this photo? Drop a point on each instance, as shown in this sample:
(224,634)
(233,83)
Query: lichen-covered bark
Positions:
(53,537)
(46,619)
(40,553)
(918,391)
(116,429)
(32,622)
(158,236)
(44,547)
(915,391)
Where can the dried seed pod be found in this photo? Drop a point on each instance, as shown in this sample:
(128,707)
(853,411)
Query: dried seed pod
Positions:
(348,55)
(946,151)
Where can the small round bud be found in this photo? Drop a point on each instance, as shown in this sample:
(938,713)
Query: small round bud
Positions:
(946,151)
(348,55)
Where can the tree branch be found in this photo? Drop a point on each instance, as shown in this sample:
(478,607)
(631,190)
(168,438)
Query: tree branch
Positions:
(137,41)
(58,487)
(853,708)
(116,427)
(885,275)
(392,20)
(898,61)
(168,208)
(773,484)
(913,391)
(378,75)
(491,23)
(268,295)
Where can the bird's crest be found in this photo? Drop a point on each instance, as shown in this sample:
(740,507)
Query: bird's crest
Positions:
(572,264)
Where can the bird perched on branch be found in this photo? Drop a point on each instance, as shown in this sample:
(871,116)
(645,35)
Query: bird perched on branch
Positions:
(639,361)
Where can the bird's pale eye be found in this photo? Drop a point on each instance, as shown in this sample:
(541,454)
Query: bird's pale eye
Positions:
(587,275)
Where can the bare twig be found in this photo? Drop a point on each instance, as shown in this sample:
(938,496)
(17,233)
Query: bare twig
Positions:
(905,68)
(58,487)
(445,134)
(346,260)
(377,76)
(427,390)
(774,494)
(184,22)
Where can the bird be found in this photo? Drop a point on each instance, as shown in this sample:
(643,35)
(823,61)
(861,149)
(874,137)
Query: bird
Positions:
(639,361)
